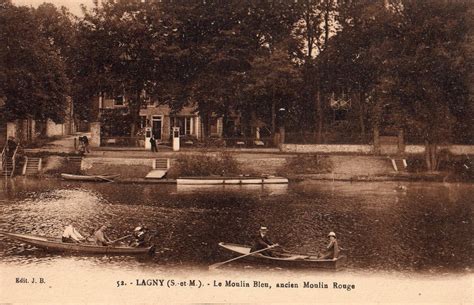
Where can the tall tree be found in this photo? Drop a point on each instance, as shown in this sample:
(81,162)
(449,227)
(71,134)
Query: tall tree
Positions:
(316,25)
(33,75)
(431,79)
(217,42)
(123,40)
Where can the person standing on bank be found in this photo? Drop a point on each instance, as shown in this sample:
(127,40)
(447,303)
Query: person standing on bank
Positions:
(85,140)
(332,250)
(153,143)
(262,242)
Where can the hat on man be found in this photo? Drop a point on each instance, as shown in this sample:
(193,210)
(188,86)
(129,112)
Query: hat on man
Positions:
(262,228)
(332,234)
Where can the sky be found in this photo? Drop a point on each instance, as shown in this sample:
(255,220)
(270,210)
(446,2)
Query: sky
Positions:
(72,5)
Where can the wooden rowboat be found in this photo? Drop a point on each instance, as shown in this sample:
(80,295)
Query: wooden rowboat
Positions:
(56,245)
(106,178)
(289,260)
(230,180)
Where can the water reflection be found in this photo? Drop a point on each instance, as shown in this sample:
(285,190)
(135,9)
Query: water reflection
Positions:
(269,189)
(382,225)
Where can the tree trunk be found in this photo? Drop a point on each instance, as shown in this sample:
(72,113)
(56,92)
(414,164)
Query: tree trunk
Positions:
(326,23)
(319,112)
(225,120)
(431,156)
(135,113)
(377,112)
(205,125)
(273,115)
(360,101)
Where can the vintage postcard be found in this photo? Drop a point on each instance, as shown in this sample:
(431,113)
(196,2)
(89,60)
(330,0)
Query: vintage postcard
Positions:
(236,152)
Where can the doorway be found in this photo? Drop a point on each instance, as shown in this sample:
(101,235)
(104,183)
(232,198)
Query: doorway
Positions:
(156,126)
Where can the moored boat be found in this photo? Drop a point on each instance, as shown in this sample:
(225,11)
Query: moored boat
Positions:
(289,260)
(56,245)
(106,178)
(230,180)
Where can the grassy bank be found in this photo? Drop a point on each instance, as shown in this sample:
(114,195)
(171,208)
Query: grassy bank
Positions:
(307,164)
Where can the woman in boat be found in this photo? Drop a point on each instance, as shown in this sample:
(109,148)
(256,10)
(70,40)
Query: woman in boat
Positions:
(138,237)
(332,250)
(71,235)
(262,241)
(100,237)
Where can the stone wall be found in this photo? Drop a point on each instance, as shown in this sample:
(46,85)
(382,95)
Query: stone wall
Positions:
(95,134)
(368,149)
(53,129)
(88,163)
(327,148)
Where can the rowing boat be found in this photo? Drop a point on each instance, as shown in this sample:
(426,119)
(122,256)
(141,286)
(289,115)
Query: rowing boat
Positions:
(290,260)
(56,245)
(230,180)
(89,177)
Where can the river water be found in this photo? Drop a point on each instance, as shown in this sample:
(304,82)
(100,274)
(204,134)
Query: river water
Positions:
(383,226)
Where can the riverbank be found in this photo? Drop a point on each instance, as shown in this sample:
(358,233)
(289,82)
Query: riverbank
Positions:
(295,167)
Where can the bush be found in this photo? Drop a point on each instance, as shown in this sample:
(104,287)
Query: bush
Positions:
(205,165)
(309,164)
(461,168)
(416,164)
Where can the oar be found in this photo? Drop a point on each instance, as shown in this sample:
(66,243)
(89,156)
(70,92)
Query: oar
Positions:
(103,178)
(119,239)
(217,265)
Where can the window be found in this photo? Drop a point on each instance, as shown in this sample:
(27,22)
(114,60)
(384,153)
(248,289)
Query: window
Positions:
(143,121)
(119,100)
(340,115)
(185,124)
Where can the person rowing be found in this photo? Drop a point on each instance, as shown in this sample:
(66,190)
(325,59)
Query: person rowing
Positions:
(71,235)
(100,237)
(262,242)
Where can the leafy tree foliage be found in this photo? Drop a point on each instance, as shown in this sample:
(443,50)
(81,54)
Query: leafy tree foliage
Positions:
(33,75)
(403,63)
(407,57)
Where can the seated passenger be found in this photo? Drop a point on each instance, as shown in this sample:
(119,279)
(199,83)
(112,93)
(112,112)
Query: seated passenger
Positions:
(71,235)
(138,235)
(100,237)
(332,250)
(262,242)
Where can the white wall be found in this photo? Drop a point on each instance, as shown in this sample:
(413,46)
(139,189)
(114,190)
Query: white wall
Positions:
(53,129)
(368,149)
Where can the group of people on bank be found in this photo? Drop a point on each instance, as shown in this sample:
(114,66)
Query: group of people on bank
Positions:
(100,238)
(262,244)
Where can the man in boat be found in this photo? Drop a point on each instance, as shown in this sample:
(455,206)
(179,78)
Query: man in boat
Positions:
(262,241)
(100,237)
(332,250)
(71,235)
(139,234)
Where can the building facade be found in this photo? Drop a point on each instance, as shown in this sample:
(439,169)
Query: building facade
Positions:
(154,117)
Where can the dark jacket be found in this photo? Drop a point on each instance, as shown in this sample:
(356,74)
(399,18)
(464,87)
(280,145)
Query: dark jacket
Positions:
(261,242)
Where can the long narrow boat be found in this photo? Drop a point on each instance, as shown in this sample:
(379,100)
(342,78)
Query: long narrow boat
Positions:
(230,180)
(105,178)
(56,245)
(288,260)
